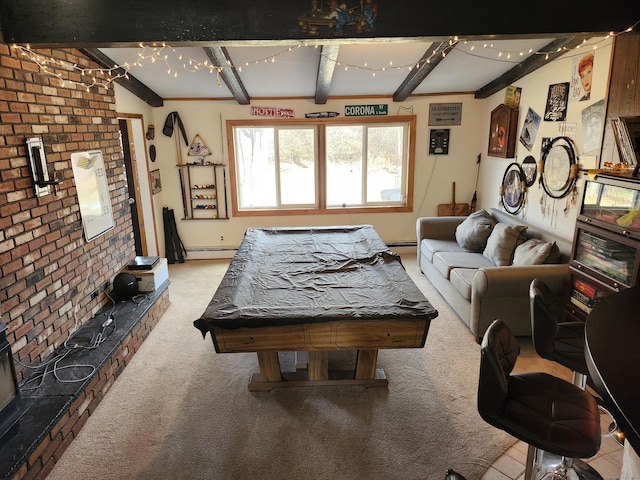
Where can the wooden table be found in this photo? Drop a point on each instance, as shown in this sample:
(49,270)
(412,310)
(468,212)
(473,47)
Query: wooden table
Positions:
(612,352)
(316,290)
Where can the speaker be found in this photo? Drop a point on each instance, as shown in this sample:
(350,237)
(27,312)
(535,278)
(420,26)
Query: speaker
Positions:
(125,286)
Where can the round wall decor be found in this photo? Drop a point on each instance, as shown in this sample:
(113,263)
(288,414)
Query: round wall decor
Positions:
(513,188)
(559,168)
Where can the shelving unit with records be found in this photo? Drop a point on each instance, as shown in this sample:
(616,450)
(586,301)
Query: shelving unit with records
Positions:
(606,245)
(200,192)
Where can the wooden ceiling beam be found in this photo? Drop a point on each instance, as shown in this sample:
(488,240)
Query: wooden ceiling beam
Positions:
(326,67)
(558,47)
(429,61)
(220,58)
(101,23)
(129,82)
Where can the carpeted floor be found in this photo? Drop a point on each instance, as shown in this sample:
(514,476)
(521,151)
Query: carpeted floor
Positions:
(181,411)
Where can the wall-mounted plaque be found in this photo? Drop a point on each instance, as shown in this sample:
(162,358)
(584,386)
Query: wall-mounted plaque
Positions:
(441,114)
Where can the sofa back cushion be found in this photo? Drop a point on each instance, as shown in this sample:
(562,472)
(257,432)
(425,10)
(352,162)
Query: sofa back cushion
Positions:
(473,232)
(503,241)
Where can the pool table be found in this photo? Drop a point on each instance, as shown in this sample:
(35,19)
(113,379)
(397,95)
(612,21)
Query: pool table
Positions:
(316,289)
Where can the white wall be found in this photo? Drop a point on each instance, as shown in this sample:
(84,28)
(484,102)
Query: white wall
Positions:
(535,88)
(433,174)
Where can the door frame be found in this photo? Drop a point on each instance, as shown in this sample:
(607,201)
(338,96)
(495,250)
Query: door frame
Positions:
(145,226)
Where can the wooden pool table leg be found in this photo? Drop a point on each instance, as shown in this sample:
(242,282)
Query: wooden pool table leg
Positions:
(366,364)
(269,366)
(318,365)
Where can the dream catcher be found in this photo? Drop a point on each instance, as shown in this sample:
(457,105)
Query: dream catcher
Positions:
(513,188)
(558,170)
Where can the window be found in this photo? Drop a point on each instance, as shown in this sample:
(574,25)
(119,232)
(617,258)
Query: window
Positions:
(321,166)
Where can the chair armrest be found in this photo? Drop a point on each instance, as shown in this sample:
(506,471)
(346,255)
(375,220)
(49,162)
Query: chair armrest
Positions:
(438,228)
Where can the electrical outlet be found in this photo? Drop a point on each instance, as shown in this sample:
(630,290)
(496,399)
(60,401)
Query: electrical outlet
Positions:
(221,238)
(95,294)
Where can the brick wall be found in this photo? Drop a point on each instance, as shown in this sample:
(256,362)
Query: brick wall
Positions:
(42,460)
(48,270)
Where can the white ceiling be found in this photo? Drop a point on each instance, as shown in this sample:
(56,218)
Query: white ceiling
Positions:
(290,71)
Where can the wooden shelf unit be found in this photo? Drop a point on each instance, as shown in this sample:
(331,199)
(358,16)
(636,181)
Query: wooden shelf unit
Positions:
(200,193)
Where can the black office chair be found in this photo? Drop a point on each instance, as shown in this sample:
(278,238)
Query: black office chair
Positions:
(561,342)
(547,412)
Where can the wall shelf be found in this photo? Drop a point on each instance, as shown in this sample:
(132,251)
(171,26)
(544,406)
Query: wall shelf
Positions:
(202,199)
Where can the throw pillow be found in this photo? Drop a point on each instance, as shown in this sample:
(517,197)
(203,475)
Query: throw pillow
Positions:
(503,241)
(473,232)
(554,254)
(532,252)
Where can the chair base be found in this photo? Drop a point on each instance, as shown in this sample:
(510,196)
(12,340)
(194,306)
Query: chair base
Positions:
(552,467)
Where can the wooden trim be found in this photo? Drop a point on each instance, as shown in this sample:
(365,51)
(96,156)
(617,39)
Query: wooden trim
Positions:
(321,161)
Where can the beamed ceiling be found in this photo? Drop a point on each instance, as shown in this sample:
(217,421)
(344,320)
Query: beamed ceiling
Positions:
(266,52)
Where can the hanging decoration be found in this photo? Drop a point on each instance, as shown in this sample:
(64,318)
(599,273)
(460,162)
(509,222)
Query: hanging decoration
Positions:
(104,77)
(198,149)
(513,188)
(558,168)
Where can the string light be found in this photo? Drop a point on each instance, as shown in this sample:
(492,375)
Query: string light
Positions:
(92,77)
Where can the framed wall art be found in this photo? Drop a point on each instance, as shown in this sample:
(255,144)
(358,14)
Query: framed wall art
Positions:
(530,129)
(439,141)
(557,98)
(502,132)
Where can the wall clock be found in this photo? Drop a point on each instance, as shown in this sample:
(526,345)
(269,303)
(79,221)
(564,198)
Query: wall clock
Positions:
(502,132)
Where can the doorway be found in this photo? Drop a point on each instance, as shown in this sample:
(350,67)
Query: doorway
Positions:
(140,198)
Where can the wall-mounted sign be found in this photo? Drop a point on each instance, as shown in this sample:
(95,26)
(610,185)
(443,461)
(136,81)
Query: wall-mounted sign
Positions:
(272,112)
(445,113)
(366,110)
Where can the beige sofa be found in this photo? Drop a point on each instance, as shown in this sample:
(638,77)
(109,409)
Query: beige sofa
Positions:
(477,289)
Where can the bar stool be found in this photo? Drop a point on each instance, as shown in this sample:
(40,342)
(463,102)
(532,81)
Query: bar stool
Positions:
(561,342)
(547,412)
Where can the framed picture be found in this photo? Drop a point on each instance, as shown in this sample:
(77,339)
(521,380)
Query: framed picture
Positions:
(156,184)
(557,98)
(530,129)
(439,141)
(502,132)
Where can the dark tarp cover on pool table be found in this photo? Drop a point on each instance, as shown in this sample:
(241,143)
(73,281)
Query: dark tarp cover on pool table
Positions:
(283,276)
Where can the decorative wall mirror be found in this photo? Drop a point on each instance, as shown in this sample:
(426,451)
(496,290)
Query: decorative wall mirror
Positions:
(559,168)
(513,188)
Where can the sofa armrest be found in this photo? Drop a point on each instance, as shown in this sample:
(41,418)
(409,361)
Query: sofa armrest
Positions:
(438,228)
(503,292)
(514,280)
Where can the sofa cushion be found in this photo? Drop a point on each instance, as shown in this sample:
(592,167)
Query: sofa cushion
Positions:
(473,232)
(503,241)
(462,279)
(534,252)
(444,262)
(429,246)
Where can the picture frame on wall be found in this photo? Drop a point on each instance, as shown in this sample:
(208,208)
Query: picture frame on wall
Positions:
(439,141)
(530,129)
(557,99)
(502,132)
(156,183)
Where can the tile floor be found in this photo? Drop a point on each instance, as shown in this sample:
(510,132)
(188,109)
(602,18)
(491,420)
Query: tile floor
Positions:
(510,466)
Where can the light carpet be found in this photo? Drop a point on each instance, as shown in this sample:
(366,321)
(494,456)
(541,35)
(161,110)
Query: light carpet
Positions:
(181,411)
